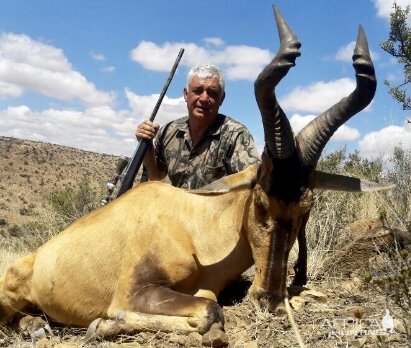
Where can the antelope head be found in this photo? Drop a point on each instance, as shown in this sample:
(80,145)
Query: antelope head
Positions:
(283,193)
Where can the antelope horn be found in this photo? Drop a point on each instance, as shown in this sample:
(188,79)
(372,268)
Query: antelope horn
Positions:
(315,135)
(278,134)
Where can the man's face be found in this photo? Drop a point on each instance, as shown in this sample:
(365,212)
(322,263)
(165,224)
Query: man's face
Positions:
(203,98)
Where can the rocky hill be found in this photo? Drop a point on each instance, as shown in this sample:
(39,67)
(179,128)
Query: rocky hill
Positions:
(30,171)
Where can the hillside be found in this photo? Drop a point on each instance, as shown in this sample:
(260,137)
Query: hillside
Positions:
(31,170)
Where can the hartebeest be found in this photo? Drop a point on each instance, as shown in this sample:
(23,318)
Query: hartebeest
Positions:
(157,257)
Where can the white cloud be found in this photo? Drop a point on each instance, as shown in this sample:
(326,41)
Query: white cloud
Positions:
(238,62)
(29,65)
(8,90)
(345,53)
(143,106)
(385,7)
(319,96)
(109,69)
(344,133)
(97,56)
(214,41)
(383,142)
(99,129)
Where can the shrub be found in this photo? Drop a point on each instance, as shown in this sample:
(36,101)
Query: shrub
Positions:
(72,204)
(27,210)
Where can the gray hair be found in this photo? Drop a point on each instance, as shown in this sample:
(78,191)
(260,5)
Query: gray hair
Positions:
(206,71)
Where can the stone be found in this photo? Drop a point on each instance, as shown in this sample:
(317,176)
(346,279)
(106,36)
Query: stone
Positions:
(314,294)
(215,337)
(297,303)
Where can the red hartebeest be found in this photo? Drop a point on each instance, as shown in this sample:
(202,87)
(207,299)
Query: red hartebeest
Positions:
(157,257)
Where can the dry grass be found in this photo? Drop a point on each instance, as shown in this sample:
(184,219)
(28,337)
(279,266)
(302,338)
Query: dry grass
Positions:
(52,168)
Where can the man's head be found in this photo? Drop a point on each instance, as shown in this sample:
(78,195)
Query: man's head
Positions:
(204,92)
(206,71)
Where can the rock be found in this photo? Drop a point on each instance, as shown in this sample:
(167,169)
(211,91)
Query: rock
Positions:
(311,294)
(361,241)
(215,337)
(297,303)
(347,286)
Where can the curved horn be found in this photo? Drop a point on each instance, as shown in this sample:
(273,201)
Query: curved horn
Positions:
(279,137)
(315,135)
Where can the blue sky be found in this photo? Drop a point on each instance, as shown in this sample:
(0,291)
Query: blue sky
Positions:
(85,73)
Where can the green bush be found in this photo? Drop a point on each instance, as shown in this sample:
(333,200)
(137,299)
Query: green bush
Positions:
(72,204)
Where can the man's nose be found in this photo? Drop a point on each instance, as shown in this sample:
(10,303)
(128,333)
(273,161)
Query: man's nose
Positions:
(204,96)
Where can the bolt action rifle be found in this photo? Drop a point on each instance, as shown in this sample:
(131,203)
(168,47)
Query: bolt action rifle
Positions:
(127,169)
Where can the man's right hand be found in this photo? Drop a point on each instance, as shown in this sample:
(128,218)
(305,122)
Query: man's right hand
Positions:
(146,130)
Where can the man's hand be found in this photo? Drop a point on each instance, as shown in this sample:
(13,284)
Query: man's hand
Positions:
(147,130)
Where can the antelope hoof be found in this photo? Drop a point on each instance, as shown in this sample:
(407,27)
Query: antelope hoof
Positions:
(215,337)
(275,304)
(34,327)
(91,333)
(213,316)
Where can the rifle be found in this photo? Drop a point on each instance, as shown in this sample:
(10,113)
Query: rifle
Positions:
(135,162)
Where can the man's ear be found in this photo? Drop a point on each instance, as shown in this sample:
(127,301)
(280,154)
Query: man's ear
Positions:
(222,98)
(185,92)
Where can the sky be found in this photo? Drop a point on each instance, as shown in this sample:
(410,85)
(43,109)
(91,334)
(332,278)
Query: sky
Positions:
(85,73)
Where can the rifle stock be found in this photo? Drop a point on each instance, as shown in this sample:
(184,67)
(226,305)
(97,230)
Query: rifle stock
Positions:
(137,159)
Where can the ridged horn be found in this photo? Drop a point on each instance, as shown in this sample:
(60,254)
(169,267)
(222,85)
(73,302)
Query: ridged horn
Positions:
(315,135)
(279,138)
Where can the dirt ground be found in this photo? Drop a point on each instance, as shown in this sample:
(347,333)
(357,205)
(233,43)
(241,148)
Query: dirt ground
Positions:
(328,313)
(337,308)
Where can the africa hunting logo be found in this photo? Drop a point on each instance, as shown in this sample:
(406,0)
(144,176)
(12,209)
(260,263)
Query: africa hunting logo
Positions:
(359,327)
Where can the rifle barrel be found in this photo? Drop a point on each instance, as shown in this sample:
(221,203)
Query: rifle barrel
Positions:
(137,159)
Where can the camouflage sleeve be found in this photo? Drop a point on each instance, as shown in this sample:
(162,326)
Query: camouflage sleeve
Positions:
(244,153)
(158,143)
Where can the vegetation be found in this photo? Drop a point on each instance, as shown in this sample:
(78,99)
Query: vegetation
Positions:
(333,211)
(71,204)
(398,45)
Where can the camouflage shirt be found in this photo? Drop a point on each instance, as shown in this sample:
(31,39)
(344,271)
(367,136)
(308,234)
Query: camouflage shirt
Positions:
(226,148)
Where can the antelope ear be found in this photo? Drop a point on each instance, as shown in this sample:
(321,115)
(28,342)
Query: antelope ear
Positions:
(243,179)
(336,182)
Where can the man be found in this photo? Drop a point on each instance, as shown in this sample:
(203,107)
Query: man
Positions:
(203,146)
